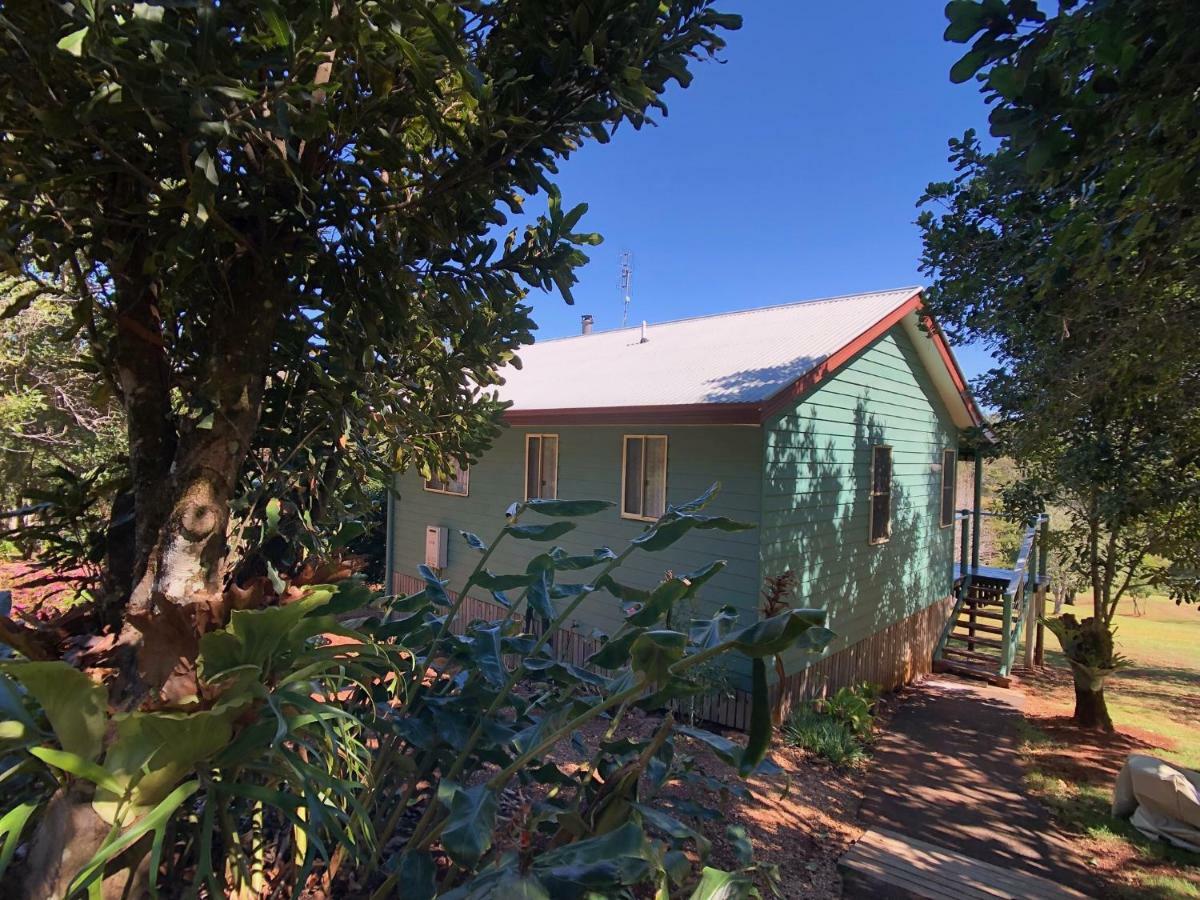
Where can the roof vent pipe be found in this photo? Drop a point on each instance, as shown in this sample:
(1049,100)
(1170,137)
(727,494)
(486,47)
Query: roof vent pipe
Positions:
(587,325)
(644,338)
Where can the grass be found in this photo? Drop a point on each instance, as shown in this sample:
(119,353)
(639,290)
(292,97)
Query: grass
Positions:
(1160,692)
(1157,702)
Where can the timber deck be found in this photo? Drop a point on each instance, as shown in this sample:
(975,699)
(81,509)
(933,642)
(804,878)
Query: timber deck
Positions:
(884,864)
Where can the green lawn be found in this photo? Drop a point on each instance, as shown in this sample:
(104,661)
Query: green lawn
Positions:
(1160,692)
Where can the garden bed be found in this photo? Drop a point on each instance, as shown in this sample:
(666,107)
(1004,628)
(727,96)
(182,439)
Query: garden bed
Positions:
(800,820)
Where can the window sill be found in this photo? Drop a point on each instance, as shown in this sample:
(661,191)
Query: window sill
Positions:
(632,518)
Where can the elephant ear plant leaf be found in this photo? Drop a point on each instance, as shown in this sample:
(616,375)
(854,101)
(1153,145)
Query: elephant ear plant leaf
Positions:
(395,745)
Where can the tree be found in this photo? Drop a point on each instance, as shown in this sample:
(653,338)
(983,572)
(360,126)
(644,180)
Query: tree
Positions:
(53,409)
(284,222)
(1070,250)
(284,226)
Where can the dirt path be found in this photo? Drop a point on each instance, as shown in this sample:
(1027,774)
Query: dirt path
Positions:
(948,771)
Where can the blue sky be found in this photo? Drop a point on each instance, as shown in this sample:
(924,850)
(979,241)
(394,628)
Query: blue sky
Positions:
(791,171)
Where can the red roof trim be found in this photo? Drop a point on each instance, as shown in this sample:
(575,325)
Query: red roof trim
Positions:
(817,374)
(956,375)
(668,414)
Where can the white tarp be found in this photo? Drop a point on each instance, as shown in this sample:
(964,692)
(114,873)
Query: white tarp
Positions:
(1161,800)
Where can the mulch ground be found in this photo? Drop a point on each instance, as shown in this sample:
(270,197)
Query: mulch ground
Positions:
(37,591)
(1086,758)
(801,820)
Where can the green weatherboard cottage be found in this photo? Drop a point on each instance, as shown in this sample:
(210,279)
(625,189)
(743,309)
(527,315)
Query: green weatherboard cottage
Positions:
(832,425)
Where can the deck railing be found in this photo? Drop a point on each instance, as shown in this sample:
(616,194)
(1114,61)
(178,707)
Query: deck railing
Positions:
(1010,586)
(1015,593)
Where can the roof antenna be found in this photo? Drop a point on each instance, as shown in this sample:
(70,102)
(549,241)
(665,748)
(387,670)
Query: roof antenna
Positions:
(625,283)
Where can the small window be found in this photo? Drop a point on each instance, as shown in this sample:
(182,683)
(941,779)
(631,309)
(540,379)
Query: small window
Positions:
(644,476)
(881,493)
(457,483)
(541,466)
(949,479)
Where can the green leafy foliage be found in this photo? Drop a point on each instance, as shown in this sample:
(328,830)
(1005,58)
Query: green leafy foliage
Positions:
(825,737)
(838,728)
(56,415)
(854,706)
(298,240)
(1069,249)
(74,705)
(315,733)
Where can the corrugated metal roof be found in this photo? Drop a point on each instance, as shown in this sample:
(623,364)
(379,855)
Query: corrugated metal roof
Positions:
(737,357)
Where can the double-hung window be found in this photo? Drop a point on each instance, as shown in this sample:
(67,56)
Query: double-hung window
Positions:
(881,494)
(644,476)
(455,484)
(541,466)
(949,480)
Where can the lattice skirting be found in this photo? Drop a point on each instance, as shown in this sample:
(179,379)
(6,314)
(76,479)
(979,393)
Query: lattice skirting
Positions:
(891,657)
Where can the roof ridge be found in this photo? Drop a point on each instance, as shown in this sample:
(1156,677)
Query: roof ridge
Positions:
(907,289)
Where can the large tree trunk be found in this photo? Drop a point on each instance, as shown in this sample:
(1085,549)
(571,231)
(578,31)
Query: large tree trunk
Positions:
(1091,711)
(187,563)
(177,593)
(145,378)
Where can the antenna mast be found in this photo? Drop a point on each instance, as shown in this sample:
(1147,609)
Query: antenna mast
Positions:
(625,283)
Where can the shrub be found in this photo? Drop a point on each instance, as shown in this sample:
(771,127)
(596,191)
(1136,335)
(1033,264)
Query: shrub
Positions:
(854,707)
(343,735)
(824,736)
(838,728)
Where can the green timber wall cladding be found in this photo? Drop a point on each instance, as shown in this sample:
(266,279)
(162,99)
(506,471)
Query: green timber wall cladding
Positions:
(816,485)
(589,467)
(803,478)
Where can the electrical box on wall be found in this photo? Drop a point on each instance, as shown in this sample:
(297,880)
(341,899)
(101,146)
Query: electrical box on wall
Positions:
(435,546)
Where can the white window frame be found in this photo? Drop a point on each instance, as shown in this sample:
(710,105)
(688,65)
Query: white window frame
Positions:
(872,494)
(625,439)
(553,492)
(463,476)
(949,470)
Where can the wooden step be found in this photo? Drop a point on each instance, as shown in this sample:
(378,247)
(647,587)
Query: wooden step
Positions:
(968,670)
(972,656)
(883,863)
(982,613)
(968,639)
(961,667)
(978,626)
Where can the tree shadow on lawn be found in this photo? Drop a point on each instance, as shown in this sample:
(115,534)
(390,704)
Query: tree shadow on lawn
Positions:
(1080,755)
(1072,772)
(1174,692)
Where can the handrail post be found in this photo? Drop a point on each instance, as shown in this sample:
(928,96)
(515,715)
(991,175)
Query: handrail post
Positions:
(1042,589)
(964,570)
(977,512)
(1007,649)
(1044,546)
